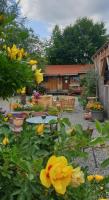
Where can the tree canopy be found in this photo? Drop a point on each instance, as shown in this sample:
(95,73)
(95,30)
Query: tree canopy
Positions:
(76,43)
(14,31)
(18,45)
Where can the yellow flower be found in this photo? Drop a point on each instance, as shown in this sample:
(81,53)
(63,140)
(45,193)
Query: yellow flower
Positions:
(1,18)
(5,141)
(33,62)
(40,129)
(71,131)
(57,173)
(5,119)
(90,177)
(99,178)
(9,114)
(15,53)
(77,177)
(21,90)
(38,76)
(15,105)
(101,188)
(34,67)
(103,199)
(96,177)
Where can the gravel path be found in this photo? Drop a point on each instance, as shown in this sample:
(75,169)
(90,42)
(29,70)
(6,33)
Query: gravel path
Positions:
(76,117)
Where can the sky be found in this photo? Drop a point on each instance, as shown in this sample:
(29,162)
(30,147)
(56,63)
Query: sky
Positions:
(43,15)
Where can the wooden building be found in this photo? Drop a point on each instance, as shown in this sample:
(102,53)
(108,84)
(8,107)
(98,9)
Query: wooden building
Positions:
(59,78)
(101,62)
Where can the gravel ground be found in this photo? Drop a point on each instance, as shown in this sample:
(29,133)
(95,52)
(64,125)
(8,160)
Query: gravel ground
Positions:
(76,117)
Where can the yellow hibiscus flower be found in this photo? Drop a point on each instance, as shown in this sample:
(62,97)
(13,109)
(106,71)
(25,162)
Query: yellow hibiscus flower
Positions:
(77,177)
(5,141)
(40,129)
(38,76)
(57,173)
(33,62)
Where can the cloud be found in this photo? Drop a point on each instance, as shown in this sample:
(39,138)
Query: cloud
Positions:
(64,12)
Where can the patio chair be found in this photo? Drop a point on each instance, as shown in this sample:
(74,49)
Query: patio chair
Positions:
(68,104)
(46,100)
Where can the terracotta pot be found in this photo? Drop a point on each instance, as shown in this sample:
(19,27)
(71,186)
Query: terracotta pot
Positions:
(88,116)
(18,122)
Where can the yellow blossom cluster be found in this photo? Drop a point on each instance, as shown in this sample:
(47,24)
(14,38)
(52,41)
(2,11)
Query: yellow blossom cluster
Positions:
(94,106)
(59,174)
(22,90)
(95,177)
(38,76)
(16,53)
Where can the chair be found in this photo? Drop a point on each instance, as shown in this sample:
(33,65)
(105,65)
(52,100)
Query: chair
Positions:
(46,100)
(68,104)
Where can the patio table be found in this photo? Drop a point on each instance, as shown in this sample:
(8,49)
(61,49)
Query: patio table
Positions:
(38,120)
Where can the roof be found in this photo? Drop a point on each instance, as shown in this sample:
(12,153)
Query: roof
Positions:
(106,45)
(53,70)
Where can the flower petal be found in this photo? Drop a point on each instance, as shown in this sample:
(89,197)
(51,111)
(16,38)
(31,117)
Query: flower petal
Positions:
(44,179)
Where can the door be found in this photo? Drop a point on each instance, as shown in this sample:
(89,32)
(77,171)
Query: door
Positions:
(65,83)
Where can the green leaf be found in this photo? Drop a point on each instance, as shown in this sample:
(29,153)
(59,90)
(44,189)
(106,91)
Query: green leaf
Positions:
(98,126)
(105,163)
(99,140)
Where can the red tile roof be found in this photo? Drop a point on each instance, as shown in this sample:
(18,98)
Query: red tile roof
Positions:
(52,70)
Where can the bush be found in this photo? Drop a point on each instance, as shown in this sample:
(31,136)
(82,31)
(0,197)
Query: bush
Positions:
(13,75)
(23,157)
(53,111)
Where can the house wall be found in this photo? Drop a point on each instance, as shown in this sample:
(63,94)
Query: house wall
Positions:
(103,89)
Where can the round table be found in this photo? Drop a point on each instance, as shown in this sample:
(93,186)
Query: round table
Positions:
(39,120)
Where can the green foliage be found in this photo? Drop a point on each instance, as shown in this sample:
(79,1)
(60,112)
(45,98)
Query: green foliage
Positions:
(53,111)
(76,43)
(13,75)
(27,153)
(89,84)
(14,31)
(35,108)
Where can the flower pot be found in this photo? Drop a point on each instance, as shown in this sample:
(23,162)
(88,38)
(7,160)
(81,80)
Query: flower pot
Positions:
(87,116)
(18,122)
(98,115)
(91,99)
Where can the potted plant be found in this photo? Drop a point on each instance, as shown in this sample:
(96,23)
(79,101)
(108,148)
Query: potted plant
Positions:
(97,110)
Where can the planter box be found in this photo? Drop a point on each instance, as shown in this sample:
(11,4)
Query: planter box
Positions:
(98,115)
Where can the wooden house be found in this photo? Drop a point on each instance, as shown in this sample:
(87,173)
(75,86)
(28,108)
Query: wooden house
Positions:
(101,62)
(59,78)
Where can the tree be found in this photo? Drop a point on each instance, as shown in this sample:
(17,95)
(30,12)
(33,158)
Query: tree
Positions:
(55,47)
(77,43)
(15,73)
(14,31)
